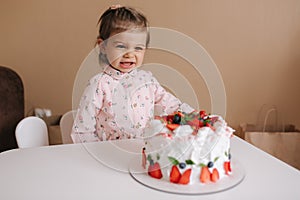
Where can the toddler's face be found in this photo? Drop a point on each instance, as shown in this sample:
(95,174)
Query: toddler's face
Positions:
(125,51)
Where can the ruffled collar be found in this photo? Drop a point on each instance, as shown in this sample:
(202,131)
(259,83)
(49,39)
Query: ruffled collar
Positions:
(117,74)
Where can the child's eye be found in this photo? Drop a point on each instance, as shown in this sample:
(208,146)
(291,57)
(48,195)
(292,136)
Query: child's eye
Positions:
(121,46)
(139,48)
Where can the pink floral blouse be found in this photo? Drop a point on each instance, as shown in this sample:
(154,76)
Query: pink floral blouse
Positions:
(118,105)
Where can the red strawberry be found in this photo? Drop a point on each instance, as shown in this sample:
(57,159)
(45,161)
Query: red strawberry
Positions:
(172,126)
(175,174)
(163,119)
(180,114)
(214,175)
(202,114)
(185,177)
(195,122)
(155,171)
(170,118)
(204,175)
(227,167)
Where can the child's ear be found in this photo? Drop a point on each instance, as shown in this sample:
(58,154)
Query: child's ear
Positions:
(101,45)
(99,41)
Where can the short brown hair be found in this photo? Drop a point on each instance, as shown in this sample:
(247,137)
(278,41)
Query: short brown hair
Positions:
(116,20)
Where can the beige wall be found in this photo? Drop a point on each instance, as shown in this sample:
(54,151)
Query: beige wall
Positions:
(255,44)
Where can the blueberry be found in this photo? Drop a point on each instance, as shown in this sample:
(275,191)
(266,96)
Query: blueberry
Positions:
(176,119)
(182,165)
(210,164)
(151,162)
(229,156)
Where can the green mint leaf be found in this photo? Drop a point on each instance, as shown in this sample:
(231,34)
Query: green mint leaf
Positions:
(215,160)
(202,165)
(189,162)
(173,160)
(149,158)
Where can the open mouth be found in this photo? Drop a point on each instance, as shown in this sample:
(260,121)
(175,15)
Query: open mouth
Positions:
(127,65)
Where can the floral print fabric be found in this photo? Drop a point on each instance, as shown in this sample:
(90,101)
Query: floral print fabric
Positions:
(118,105)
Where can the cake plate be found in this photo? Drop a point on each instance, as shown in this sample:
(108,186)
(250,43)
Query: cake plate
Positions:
(139,174)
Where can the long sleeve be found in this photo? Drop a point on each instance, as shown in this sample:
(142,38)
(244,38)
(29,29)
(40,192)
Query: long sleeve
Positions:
(166,103)
(84,127)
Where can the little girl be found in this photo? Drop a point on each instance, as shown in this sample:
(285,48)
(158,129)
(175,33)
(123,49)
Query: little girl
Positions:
(119,102)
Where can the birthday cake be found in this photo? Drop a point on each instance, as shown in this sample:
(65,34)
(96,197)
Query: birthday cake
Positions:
(187,148)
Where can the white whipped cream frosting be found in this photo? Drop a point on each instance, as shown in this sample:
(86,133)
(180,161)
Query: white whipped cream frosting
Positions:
(207,145)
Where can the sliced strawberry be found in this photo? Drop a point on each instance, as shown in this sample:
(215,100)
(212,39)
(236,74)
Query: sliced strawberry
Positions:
(163,119)
(204,175)
(214,175)
(155,171)
(170,118)
(185,177)
(175,174)
(180,114)
(227,167)
(195,122)
(202,114)
(172,126)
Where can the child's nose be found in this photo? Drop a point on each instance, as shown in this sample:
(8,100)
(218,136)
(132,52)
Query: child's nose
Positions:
(129,54)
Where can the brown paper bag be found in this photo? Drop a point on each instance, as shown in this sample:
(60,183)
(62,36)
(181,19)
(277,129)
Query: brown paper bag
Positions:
(54,133)
(283,142)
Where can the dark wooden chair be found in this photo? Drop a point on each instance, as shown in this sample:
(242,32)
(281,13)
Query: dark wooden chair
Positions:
(11,107)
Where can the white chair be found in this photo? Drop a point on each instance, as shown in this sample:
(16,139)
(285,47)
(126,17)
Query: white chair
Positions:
(32,132)
(66,124)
